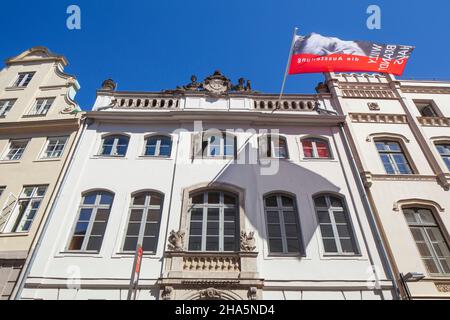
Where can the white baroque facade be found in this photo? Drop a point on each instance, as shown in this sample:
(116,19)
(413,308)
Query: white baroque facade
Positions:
(231,198)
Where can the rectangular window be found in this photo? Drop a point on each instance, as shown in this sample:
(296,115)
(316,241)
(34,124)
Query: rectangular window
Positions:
(5,106)
(15,150)
(143,222)
(335,227)
(393,157)
(426,109)
(55,147)
(430,241)
(444,151)
(41,106)
(23,79)
(28,204)
(92,221)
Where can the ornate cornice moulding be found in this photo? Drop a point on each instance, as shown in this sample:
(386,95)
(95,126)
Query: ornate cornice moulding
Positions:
(434,121)
(426,90)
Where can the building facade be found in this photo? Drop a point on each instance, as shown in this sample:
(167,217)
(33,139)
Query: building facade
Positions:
(232,195)
(38,127)
(399,131)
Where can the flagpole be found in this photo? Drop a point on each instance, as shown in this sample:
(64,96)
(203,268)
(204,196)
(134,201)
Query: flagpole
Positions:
(278,106)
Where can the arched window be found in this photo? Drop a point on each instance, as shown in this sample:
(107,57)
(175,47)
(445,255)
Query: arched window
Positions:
(114,145)
(158,146)
(219,145)
(444,151)
(316,148)
(335,226)
(92,219)
(273,146)
(393,157)
(213,222)
(144,222)
(430,241)
(283,228)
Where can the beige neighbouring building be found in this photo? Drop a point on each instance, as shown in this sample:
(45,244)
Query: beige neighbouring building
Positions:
(400,134)
(39,121)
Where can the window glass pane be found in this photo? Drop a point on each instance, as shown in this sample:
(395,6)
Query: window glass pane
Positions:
(330,245)
(155,200)
(276,245)
(213,229)
(426,216)
(102,215)
(289,217)
(151,229)
(130,244)
(106,198)
(293,245)
(402,163)
(76,243)
(274,230)
(273,217)
(133,229)
(95,243)
(347,246)
(81,228)
(136,215)
(327,231)
(197,214)
(321,202)
(213,197)
(343,231)
(195,243)
(387,164)
(154,215)
(229,199)
(212,243)
(431,266)
(340,217)
(307,148)
(336,202)
(213,214)
(85,214)
(149,244)
(322,149)
(229,228)
(271,202)
(98,228)
(291,230)
(197,199)
(229,244)
(139,200)
(287,202)
(324,217)
(229,214)
(196,228)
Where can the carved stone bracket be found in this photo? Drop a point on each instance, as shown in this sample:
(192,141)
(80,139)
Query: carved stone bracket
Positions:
(210,293)
(176,241)
(252,293)
(167,293)
(247,241)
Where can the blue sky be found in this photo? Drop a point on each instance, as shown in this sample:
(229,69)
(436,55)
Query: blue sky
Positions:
(155,45)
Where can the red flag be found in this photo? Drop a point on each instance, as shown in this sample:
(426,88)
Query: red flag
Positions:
(316,54)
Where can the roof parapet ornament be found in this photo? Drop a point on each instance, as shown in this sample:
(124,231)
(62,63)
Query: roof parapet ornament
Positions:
(216,84)
(109,85)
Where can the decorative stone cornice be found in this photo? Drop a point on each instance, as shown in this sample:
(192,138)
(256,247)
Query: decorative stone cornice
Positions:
(426,90)
(434,121)
(366,91)
(378,118)
(443,287)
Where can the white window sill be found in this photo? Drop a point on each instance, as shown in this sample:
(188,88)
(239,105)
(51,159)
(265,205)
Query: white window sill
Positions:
(318,160)
(34,115)
(79,254)
(131,255)
(153,158)
(99,157)
(357,257)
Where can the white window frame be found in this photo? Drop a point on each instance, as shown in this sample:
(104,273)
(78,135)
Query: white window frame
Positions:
(281,209)
(25,81)
(146,207)
(157,154)
(204,206)
(265,139)
(41,106)
(114,145)
(95,207)
(315,149)
(428,241)
(44,154)
(390,153)
(8,150)
(336,237)
(17,220)
(444,155)
(224,136)
(5,106)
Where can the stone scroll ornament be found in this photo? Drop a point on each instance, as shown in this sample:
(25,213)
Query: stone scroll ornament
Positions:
(176,240)
(248,241)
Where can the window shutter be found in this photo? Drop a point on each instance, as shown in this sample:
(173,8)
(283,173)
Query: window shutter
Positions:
(196,145)
(7,211)
(235,148)
(262,146)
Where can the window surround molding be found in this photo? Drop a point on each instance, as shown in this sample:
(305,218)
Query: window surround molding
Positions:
(197,139)
(358,254)
(29,114)
(302,246)
(102,137)
(41,156)
(318,137)
(416,202)
(402,141)
(151,135)
(431,102)
(435,141)
(211,186)
(7,148)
